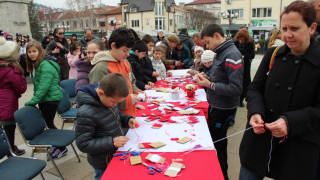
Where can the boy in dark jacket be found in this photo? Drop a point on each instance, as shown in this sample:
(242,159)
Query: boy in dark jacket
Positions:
(136,54)
(99,131)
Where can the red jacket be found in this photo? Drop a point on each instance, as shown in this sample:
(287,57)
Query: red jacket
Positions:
(12,85)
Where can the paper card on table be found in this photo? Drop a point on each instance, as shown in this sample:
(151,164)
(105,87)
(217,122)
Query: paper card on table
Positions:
(156,125)
(157,144)
(155,158)
(161,89)
(135,160)
(184,140)
(173,169)
(144,145)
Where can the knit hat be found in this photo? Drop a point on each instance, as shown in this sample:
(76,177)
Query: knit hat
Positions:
(26,35)
(207,56)
(7,48)
(9,37)
(198,48)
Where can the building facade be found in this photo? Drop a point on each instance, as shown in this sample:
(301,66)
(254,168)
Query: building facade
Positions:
(260,17)
(110,20)
(148,15)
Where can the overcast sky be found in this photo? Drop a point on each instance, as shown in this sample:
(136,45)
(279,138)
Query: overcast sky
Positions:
(62,3)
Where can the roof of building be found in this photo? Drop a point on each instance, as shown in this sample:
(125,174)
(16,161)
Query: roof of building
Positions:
(43,16)
(117,10)
(204,2)
(146,5)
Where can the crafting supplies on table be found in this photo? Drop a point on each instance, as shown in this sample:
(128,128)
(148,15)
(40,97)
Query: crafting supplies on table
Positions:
(174,136)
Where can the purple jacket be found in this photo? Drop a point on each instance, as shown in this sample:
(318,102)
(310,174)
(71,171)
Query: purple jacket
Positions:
(83,70)
(12,85)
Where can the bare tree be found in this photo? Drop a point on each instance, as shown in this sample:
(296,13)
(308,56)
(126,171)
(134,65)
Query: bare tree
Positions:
(200,18)
(34,21)
(83,11)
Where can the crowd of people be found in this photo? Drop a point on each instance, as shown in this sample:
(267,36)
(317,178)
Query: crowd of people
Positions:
(283,99)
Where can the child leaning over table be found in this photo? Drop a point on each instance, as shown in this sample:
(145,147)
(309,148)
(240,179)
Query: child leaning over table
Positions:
(157,62)
(99,130)
(197,65)
(207,58)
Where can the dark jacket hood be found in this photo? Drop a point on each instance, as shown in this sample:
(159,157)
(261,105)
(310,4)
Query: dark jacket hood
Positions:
(88,95)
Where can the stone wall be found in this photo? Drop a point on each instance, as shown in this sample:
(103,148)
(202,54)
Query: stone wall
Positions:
(14,17)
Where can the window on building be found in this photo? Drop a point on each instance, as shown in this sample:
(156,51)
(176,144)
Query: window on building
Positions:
(62,23)
(159,22)
(261,12)
(67,23)
(159,8)
(134,23)
(133,9)
(234,11)
(170,22)
(74,23)
(102,24)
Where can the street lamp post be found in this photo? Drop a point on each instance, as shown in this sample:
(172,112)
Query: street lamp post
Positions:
(229,17)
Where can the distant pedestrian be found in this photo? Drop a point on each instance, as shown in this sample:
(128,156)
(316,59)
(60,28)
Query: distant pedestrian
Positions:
(59,48)
(246,48)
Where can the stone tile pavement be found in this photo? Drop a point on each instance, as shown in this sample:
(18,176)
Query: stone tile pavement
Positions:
(72,170)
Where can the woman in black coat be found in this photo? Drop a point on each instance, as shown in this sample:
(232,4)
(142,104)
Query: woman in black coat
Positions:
(246,48)
(284,104)
(59,48)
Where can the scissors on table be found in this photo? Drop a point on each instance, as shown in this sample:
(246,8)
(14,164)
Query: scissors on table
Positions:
(151,169)
(123,155)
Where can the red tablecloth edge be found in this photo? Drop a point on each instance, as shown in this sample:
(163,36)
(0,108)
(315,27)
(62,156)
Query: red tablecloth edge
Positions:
(200,165)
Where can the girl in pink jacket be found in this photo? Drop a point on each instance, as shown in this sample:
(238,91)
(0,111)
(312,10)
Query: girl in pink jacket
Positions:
(74,55)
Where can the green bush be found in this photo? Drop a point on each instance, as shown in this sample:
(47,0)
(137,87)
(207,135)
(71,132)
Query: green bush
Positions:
(262,42)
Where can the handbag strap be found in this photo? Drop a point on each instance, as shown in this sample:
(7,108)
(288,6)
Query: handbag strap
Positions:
(273,57)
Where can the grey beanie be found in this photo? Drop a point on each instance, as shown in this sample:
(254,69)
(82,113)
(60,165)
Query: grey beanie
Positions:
(207,56)
(7,48)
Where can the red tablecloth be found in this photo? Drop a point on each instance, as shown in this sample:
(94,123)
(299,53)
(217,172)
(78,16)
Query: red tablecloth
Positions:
(202,106)
(183,82)
(200,165)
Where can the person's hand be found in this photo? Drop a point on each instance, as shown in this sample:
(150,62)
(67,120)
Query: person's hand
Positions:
(135,98)
(139,106)
(120,141)
(133,123)
(204,75)
(59,45)
(199,79)
(257,123)
(177,63)
(278,128)
(147,87)
(155,74)
(56,51)
(78,53)
(151,84)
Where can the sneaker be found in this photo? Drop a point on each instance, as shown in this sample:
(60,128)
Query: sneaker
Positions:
(58,153)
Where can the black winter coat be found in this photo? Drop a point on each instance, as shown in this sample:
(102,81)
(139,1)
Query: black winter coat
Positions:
(148,68)
(186,40)
(137,69)
(290,89)
(97,125)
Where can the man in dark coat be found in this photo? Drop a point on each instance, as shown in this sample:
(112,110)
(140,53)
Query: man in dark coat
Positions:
(186,39)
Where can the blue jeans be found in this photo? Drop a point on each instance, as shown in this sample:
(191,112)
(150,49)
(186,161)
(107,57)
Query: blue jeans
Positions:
(99,173)
(246,174)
